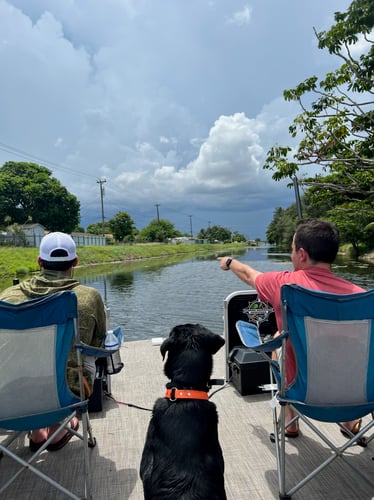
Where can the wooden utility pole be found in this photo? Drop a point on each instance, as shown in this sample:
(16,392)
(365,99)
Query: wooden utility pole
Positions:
(158,215)
(101,182)
(190,216)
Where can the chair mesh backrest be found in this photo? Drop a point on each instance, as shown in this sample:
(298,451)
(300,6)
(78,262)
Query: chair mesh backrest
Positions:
(35,339)
(333,339)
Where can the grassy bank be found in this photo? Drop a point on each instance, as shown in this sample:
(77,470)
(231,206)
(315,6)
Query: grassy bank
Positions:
(15,261)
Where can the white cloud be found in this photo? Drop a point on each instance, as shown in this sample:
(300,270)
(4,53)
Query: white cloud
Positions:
(241,17)
(163,99)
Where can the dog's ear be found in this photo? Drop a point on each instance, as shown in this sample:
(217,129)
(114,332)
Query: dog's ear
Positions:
(178,337)
(165,346)
(212,341)
(170,341)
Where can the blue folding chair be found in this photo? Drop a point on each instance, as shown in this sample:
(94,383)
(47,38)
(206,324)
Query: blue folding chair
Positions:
(333,340)
(35,340)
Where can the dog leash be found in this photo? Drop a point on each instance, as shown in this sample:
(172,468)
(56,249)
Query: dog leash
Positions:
(220,382)
(130,405)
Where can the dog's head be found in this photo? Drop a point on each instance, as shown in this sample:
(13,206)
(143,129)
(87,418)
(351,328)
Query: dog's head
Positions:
(190,350)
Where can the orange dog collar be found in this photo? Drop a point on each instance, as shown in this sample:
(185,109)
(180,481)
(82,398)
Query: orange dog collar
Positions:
(174,394)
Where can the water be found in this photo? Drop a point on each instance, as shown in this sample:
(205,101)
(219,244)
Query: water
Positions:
(149,298)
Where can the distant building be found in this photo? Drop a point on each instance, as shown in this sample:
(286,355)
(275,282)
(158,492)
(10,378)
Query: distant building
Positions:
(30,235)
(33,234)
(87,239)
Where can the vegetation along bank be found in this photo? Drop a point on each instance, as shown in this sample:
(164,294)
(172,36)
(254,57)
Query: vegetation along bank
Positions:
(18,261)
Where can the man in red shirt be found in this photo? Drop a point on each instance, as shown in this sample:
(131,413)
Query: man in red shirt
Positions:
(314,248)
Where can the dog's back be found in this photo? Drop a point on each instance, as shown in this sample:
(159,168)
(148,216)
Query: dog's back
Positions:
(182,458)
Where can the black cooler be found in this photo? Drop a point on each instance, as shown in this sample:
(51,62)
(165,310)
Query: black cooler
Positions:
(245,370)
(249,370)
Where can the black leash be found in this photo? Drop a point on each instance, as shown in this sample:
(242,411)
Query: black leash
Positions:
(132,405)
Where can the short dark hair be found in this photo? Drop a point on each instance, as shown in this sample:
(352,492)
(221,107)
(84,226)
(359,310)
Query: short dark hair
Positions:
(319,238)
(57,265)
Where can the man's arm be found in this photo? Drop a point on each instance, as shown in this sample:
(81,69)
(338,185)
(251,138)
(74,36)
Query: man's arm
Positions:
(243,271)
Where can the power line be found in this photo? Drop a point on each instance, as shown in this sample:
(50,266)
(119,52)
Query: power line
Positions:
(27,156)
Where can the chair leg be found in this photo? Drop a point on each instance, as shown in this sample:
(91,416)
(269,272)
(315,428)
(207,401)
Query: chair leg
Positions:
(282,453)
(9,440)
(89,441)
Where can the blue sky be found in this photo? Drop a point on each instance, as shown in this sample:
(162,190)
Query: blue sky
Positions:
(173,103)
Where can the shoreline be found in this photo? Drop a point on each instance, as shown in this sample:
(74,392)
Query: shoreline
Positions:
(21,261)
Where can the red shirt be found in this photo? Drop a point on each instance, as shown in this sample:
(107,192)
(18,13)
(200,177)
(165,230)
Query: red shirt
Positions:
(268,286)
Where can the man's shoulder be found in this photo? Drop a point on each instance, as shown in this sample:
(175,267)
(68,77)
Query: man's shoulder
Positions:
(85,290)
(13,294)
(276,276)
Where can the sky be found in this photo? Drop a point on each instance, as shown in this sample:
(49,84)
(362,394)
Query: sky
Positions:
(172,104)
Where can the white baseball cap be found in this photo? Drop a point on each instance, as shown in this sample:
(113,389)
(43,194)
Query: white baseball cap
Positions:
(62,242)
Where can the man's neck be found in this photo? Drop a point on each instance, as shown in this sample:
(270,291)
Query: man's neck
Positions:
(319,265)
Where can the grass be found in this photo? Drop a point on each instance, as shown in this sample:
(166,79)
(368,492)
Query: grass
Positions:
(16,261)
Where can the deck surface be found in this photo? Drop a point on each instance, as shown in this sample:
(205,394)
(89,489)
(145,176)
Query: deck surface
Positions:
(244,426)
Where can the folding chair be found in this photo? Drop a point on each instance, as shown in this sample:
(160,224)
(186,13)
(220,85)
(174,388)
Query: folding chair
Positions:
(35,340)
(333,340)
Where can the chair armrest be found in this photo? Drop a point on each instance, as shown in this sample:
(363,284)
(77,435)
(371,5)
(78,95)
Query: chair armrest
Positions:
(97,352)
(271,345)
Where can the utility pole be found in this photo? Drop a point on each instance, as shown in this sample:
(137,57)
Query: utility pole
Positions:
(190,216)
(158,215)
(101,182)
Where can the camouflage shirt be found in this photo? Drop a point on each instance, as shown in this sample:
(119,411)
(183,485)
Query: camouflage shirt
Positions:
(91,312)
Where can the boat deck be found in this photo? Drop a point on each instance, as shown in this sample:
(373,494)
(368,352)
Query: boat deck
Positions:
(244,426)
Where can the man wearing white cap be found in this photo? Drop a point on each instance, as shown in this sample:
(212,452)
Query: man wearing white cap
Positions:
(57,258)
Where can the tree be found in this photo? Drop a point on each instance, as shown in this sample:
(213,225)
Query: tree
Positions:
(121,226)
(238,237)
(28,192)
(337,129)
(215,233)
(158,230)
(281,229)
(97,228)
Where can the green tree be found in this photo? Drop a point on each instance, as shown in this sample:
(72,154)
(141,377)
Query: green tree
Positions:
(215,233)
(28,192)
(337,128)
(282,227)
(121,226)
(238,237)
(97,228)
(158,230)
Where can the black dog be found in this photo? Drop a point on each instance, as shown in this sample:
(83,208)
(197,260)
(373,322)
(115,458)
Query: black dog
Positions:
(182,457)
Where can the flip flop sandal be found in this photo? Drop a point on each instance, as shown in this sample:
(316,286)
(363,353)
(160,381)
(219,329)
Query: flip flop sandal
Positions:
(289,434)
(355,429)
(34,446)
(64,440)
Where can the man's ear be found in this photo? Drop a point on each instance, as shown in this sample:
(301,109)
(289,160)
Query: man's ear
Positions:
(75,263)
(303,255)
(40,262)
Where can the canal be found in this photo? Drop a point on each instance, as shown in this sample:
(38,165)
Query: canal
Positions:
(148,298)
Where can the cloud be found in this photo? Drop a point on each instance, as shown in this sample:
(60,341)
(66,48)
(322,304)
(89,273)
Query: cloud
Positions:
(241,17)
(166,100)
